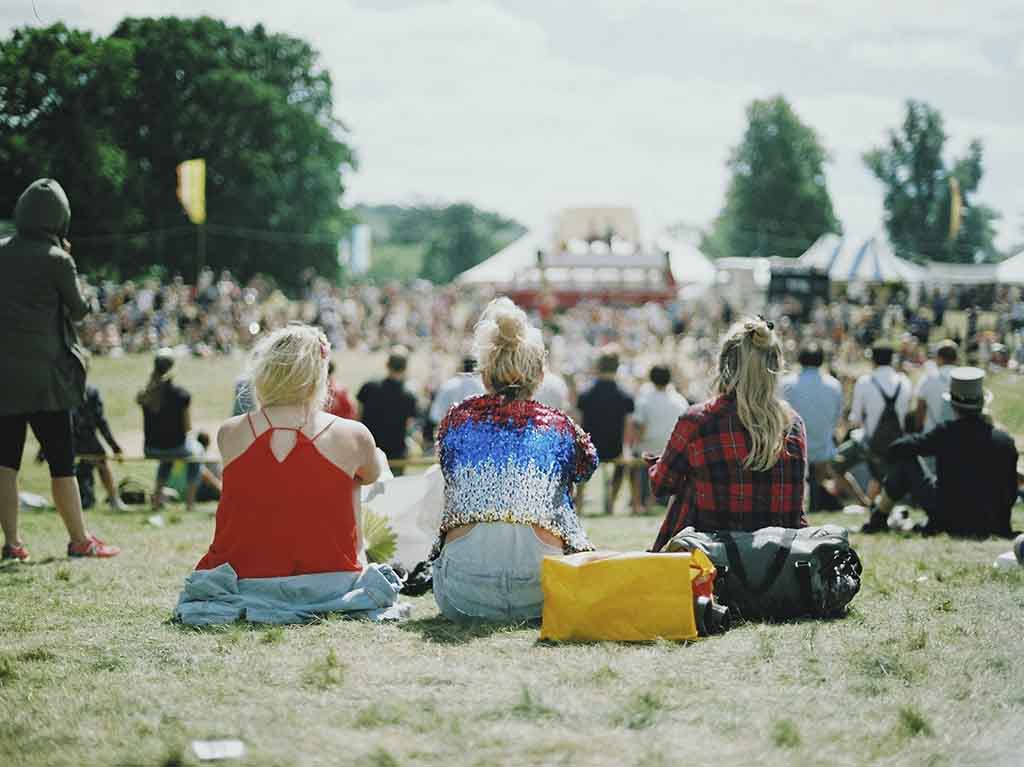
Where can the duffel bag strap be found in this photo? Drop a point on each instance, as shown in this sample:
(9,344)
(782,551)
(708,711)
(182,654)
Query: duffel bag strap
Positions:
(803,577)
(732,552)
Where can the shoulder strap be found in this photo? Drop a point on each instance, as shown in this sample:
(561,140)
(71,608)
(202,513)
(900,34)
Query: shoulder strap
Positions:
(248,417)
(888,400)
(774,569)
(329,425)
(267,417)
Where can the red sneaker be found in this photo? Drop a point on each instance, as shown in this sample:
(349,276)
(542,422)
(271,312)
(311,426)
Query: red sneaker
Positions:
(93,547)
(18,552)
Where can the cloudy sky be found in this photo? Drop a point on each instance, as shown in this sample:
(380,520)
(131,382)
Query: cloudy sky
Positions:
(528,106)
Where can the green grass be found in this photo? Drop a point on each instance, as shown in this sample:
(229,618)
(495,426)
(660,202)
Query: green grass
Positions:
(924,671)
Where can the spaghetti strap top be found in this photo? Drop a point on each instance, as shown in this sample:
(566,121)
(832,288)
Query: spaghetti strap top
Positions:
(284,517)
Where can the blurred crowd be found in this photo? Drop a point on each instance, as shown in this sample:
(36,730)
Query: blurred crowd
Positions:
(222,315)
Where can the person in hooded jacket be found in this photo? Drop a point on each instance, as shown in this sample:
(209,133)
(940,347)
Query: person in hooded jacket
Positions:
(43,363)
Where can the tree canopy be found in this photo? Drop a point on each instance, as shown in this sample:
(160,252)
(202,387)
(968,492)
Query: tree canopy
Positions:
(112,117)
(777,202)
(919,196)
(436,242)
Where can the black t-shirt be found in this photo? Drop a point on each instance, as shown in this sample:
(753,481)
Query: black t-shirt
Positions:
(165,429)
(976,466)
(604,407)
(387,406)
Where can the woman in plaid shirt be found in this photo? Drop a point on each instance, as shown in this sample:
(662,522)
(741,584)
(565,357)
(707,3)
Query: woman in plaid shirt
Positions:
(737,461)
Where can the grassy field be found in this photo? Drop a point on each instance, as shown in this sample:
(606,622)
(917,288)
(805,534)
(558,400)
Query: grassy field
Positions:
(924,671)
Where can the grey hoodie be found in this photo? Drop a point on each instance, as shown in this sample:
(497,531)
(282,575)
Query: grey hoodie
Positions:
(39,300)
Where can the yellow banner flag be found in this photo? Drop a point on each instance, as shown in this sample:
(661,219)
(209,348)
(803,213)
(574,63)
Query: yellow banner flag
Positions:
(192,189)
(956,206)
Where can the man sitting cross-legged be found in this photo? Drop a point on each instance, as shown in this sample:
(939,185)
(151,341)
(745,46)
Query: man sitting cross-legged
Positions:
(976,463)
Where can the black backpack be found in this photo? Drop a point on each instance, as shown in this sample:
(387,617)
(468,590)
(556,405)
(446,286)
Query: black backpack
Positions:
(889,428)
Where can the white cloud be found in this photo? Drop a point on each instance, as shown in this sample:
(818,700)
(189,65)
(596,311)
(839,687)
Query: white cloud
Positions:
(941,56)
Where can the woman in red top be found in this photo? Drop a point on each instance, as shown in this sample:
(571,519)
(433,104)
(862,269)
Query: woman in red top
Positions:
(291,472)
(737,461)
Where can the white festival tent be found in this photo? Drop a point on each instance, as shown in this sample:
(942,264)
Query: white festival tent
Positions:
(503,266)
(689,266)
(1011,270)
(860,261)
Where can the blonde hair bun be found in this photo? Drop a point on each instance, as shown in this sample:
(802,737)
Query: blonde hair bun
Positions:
(762,334)
(510,351)
(510,327)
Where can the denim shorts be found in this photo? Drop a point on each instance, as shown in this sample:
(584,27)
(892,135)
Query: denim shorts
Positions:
(492,573)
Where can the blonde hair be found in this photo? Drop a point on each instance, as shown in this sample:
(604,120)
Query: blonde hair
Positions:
(748,365)
(289,367)
(510,351)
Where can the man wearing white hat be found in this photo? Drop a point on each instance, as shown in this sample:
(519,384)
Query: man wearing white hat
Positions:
(976,463)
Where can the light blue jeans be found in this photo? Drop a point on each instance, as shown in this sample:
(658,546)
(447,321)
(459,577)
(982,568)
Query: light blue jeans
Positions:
(492,573)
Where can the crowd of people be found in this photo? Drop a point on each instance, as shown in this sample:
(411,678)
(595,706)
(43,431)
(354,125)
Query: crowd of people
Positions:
(538,403)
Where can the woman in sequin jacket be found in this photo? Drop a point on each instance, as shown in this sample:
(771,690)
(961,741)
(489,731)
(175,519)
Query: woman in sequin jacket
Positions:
(509,466)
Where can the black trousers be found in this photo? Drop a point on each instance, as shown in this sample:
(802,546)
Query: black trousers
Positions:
(907,479)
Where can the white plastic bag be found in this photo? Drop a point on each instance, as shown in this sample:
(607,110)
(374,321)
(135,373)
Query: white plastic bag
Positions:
(410,507)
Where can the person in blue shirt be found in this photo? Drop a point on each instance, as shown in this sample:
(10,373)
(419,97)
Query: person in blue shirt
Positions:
(818,398)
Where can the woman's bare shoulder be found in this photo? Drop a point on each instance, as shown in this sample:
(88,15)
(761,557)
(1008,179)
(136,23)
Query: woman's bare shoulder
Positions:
(233,437)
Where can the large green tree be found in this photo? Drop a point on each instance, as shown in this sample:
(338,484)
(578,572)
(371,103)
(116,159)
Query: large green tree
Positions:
(918,193)
(255,105)
(59,96)
(777,202)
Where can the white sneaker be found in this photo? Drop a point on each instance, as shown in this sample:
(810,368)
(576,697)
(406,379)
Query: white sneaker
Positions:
(116,504)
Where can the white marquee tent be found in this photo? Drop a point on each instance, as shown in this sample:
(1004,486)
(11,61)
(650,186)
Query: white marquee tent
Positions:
(1011,270)
(868,261)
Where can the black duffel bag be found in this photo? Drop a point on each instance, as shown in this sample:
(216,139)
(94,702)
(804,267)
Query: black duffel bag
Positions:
(779,572)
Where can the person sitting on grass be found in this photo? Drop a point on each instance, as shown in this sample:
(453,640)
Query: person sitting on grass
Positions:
(739,460)
(166,422)
(976,483)
(291,471)
(509,467)
(210,471)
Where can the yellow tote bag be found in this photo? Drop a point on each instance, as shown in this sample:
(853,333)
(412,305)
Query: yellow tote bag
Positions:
(625,597)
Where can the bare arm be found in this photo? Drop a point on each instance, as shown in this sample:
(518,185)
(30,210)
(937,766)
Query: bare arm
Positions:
(372,459)
(186,419)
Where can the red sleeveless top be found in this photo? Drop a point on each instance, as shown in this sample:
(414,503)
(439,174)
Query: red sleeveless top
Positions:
(289,517)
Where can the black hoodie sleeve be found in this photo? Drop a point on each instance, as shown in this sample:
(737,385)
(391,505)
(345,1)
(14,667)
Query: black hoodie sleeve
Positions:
(65,276)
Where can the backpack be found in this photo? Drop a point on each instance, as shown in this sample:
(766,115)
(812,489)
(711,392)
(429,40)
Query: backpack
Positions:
(131,492)
(889,429)
(778,572)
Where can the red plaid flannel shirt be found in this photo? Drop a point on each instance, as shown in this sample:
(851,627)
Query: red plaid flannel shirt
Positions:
(703,466)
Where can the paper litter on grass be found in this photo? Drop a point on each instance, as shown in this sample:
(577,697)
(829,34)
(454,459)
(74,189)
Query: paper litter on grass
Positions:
(216,750)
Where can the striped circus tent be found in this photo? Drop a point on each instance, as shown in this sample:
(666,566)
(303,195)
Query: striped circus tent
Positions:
(865,261)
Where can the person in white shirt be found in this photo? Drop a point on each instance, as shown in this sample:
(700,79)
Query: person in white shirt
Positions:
(553,391)
(654,418)
(932,409)
(869,396)
(457,388)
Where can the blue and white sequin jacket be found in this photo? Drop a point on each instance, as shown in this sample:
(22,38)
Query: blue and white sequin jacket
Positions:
(513,461)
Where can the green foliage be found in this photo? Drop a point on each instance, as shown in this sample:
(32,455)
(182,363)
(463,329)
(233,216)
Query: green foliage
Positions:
(913,723)
(111,118)
(785,734)
(381,541)
(777,202)
(435,242)
(917,191)
(641,712)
